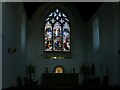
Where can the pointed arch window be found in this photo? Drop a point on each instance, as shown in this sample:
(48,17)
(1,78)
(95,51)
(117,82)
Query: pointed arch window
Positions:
(96,37)
(57,32)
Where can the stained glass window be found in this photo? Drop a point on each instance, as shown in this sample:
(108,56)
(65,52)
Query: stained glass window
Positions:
(57,32)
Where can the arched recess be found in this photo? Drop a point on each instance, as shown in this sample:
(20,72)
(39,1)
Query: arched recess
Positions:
(23,32)
(43,15)
(96,32)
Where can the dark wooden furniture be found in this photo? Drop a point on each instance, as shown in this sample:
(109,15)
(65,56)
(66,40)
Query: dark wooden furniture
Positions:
(60,79)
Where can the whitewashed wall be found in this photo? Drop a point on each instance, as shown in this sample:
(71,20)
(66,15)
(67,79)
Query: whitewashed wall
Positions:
(107,54)
(13,64)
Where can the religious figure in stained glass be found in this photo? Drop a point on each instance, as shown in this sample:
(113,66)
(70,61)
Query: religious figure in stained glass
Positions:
(57,32)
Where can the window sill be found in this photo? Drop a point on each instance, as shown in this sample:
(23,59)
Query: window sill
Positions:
(56,55)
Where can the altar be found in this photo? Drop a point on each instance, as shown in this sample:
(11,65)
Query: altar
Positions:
(60,79)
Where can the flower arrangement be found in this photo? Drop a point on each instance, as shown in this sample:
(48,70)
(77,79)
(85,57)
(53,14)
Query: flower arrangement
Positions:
(85,70)
(30,70)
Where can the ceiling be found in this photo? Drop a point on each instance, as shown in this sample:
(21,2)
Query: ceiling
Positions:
(87,9)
